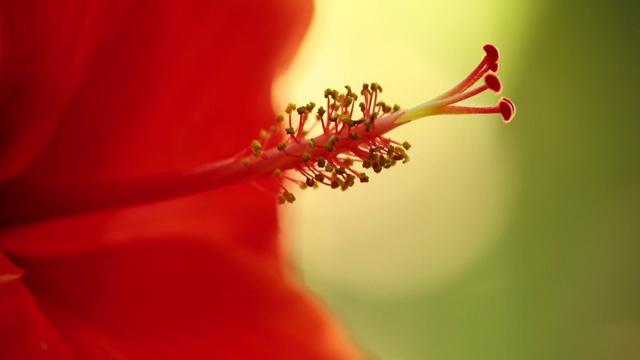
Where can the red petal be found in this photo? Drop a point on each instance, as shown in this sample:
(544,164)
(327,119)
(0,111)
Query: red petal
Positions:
(149,86)
(44,56)
(180,298)
(112,89)
(25,333)
(239,215)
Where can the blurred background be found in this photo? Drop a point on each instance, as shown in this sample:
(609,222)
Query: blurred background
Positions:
(495,241)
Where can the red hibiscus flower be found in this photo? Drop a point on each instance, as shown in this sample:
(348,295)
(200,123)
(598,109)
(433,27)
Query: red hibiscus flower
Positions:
(106,91)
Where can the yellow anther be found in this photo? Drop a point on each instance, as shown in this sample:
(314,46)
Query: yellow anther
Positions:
(256,148)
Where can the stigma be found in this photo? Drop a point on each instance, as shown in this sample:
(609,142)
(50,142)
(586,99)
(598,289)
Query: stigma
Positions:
(484,77)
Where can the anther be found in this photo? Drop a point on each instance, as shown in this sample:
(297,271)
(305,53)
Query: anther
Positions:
(290,108)
(256,148)
(311,106)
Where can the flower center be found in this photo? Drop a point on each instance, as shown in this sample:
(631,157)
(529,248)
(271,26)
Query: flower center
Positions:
(329,159)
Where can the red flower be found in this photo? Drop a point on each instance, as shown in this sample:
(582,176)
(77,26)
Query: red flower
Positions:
(105,91)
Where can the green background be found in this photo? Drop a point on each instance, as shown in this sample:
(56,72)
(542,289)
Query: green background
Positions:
(563,280)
